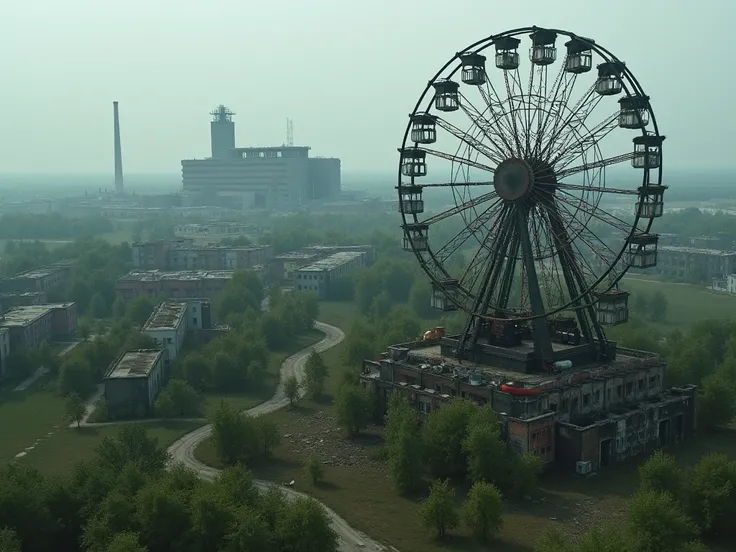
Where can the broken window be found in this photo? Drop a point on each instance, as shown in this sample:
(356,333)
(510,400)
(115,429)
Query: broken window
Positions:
(586,399)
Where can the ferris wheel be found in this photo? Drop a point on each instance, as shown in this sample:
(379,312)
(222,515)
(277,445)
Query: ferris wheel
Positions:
(512,154)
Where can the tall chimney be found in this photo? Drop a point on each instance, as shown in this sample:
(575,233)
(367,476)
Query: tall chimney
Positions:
(118,153)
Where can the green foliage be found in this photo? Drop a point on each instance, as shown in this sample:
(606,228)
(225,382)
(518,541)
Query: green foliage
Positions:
(658,306)
(315,469)
(9,541)
(75,408)
(288,316)
(488,457)
(367,338)
(178,399)
(315,374)
(404,446)
(660,474)
(126,541)
(354,406)
(657,522)
(387,276)
(483,511)
(292,389)
(716,403)
(240,438)
(437,511)
(443,435)
(242,293)
(711,494)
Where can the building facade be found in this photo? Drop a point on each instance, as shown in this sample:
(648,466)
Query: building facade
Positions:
(582,418)
(32,325)
(691,263)
(173,284)
(184,254)
(216,231)
(167,325)
(284,267)
(320,276)
(133,381)
(41,279)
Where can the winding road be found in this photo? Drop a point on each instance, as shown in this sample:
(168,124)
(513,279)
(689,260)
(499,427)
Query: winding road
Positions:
(349,539)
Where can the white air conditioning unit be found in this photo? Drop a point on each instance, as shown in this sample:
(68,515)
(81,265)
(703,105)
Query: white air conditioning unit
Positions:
(583,468)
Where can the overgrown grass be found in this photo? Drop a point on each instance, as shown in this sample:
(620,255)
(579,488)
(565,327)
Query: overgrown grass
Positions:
(58,453)
(686,304)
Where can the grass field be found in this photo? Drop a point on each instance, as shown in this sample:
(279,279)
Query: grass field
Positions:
(249,399)
(28,415)
(58,453)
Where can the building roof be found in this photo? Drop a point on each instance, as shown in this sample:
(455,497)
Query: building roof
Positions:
(25,315)
(297,255)
(695,250)
(333,261)
(134,364)
(175,275)
(168,315)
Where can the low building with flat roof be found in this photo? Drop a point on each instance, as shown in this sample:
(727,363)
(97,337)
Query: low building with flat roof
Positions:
(133,381)
(32,325)
(173,284)
(320,276)
(41,279)
(10,299)
(694,264)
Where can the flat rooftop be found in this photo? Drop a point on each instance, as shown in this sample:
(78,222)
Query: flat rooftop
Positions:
(168,315)
(430,354)
(297,255)
(24,315)
(175,275)
(695,250)
(333,261)
(134,364)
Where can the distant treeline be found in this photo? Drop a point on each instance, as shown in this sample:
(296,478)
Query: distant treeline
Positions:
(24,226)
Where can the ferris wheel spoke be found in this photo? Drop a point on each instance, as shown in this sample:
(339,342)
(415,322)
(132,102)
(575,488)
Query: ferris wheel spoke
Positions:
(561,88)
(596,189)
(500,124)
(460,208)
(598,164)
(571,122)
(581,229)
(454,184)
(456,159)
(457,241)
(578,146)
(492,131)
(483,254)
(596,212)
(470,141)
(513,100)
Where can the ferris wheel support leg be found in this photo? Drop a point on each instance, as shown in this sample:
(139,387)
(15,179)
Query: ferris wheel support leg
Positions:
(542,343)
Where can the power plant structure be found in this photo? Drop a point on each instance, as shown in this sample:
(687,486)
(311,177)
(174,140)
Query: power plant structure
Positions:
(119,189)
(280,178)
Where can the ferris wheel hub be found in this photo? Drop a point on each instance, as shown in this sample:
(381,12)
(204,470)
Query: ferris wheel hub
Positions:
(513,179)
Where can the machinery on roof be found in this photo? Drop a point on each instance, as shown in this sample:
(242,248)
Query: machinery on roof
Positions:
(543,241)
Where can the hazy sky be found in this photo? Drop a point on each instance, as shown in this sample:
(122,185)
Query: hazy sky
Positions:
(347,72)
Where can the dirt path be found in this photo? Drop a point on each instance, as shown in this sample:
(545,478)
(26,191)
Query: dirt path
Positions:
(350,540)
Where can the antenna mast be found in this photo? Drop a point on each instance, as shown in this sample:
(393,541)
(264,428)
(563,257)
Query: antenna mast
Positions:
(290,132)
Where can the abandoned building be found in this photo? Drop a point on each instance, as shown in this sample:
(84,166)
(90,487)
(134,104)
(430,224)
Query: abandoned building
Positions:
(582,417)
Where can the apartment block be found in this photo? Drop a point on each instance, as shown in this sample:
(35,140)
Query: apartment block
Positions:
(30,326)
(185,254)
(172,319)
(133,381)
(40,279)
(319,276)
(680,262)
(173,284)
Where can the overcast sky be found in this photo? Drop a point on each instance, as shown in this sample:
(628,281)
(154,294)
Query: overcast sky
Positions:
(347,72)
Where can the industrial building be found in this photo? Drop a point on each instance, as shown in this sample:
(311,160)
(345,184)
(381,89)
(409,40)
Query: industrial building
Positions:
(319,276)
(133,381)
(277,178)
(171,321)
(584,418)
(694,264)
(30,326)
(40,279)
(173,284)
(183,254)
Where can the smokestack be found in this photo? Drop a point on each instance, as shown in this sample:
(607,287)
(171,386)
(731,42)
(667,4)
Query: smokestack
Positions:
(118,153)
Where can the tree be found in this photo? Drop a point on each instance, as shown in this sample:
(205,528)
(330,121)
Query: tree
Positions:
(354,408)
(482,510)
(9,541)
(132,446)
(658,306)
(84,329)
(488,457)
(716,404)
(98,307)
(443,435)
(139,309)
(292,389)
(712,494)
(179,399)
(195,369)
(660,474)
(303,526)
(315,469)
(237,437)
(119,308)
(657,523)
(438,511)
(315,373)
(524,474)
(270,435)
(403,444)
(75,408)
(164,406)
(125,542)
